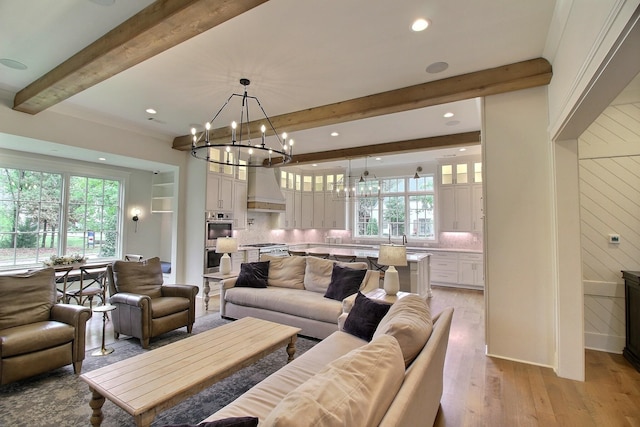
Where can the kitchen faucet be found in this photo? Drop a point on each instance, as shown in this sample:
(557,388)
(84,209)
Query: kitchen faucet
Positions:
(404,239)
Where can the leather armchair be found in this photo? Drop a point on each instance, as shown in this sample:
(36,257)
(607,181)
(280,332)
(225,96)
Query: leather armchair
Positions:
(146,307)
(36,334)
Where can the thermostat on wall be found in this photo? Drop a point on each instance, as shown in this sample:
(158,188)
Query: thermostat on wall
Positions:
(614,238)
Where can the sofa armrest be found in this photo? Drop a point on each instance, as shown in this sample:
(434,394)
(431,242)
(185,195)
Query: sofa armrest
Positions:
(185,291)
(372,281)
(341,319)
(136,300)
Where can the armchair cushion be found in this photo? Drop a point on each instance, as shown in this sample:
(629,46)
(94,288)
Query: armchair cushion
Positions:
(35,337)
(165,306)
(144,277)
(26,298)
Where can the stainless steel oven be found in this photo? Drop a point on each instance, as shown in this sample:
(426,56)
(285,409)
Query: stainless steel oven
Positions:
(215,228)
(211,260)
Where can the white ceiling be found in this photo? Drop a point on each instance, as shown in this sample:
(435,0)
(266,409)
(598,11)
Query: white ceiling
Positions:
(297,54)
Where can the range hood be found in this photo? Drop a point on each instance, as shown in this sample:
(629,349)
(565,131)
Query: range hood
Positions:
(263,191)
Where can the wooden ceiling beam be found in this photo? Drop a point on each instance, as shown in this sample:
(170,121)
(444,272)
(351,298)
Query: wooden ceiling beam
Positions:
(160,26)
(421,144)
(507,78)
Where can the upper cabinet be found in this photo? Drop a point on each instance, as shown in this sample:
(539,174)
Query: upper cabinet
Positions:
(309,200)
(162,192)
(460,196)
(227,188)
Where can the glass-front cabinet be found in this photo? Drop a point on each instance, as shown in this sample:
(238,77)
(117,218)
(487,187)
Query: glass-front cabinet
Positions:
(460,196)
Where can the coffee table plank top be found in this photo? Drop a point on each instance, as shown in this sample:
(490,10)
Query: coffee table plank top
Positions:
(160,378)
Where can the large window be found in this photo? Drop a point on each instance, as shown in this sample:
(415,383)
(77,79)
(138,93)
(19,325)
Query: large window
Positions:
(395,207)
(44,214)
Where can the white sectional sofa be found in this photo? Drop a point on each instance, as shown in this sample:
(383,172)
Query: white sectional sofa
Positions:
(295,294)
(345,380)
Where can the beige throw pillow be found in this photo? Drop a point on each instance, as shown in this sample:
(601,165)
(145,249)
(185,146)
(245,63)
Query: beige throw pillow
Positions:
(285,271)
(409,321)
(354,390)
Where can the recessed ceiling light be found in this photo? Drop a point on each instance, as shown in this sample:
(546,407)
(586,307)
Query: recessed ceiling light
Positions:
(12,64)
(314,165)
(420,24)
(150,111)
(463,149)
(102,159)
(378,158)
(448,114)
(437,67)
(334,134)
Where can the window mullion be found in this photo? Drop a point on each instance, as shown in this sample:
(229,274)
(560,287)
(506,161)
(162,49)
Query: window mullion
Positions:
(64,213)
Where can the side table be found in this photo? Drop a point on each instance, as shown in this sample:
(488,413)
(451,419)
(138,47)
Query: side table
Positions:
(216,277)
(104,309)
(380,295)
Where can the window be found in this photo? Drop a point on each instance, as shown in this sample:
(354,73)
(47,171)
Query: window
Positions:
(395,207)
(34,224)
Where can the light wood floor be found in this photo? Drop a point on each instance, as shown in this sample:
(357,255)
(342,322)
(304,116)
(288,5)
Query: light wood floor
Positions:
(485,391)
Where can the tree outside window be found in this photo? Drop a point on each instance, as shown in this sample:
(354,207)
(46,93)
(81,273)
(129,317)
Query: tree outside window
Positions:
(32,220)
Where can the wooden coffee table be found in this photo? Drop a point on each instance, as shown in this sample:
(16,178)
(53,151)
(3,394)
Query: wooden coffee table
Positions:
(149,383)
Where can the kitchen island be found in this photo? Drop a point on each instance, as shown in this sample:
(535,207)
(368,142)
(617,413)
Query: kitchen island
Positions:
(414,278)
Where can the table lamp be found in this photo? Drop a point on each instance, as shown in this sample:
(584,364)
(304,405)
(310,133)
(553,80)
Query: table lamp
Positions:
(226,245)
(392,255)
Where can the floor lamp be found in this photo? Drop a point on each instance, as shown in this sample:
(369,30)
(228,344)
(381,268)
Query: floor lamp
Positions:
(392,255)
(226,246)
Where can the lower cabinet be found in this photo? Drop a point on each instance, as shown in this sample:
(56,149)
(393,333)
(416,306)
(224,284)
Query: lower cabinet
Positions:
(457,269)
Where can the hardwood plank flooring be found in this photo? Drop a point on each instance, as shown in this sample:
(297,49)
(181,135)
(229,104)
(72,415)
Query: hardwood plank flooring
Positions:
(485,391)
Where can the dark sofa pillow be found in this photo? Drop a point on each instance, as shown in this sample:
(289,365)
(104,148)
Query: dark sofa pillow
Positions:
(227,422)
(345,281)
(364,317)
(253,275)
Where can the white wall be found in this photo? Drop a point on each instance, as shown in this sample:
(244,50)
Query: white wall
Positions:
(519,241)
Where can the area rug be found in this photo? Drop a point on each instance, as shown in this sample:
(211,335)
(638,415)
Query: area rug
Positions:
(59,398)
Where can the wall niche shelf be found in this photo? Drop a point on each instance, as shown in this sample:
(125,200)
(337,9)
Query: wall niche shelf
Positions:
(162,193)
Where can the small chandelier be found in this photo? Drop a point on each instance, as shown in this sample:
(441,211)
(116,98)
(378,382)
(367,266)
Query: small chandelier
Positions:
(240,150)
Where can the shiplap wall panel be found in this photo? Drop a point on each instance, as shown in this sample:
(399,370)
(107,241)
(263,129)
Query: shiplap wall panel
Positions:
(609,171)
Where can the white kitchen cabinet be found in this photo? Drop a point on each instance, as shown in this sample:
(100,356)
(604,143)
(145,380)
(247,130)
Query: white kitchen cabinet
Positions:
(287,218)
(219,193)
(306,210)
(318,210)
(334,212)
(240,205)
(455,208)
(444,267)
(477,209)
(471,270)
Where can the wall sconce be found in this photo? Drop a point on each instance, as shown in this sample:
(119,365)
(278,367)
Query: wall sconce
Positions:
(418,169)
(136,217)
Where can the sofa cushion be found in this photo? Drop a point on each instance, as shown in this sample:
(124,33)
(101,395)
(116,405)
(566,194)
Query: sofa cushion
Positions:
(253,274)
(27,297)
(301,303)
(317,274)
(286,271)
(143,278)
(353,390)
(364,317)
(409,321)
(345,281)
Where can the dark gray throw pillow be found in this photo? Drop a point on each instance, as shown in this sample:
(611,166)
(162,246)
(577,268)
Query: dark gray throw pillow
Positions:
(364,317)
(253,275)
(227,422)
(345,281)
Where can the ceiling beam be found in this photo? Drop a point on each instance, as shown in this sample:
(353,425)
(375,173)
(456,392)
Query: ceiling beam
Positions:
(160,26)
(507,78)
(421,144)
